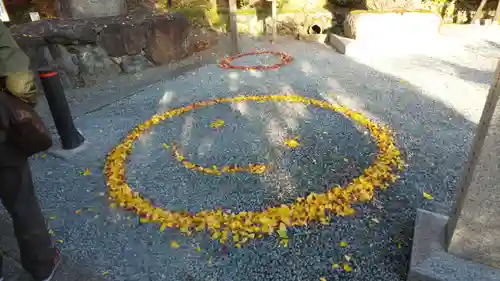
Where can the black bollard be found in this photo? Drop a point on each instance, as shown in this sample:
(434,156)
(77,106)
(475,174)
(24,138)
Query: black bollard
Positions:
(59,108)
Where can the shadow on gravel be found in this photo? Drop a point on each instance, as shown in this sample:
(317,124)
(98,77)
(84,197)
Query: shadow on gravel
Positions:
(434,139)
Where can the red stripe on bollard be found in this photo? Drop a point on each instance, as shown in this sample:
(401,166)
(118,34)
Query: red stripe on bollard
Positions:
(48,74)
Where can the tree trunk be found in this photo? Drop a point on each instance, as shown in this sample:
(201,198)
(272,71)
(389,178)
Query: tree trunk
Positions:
(479,11)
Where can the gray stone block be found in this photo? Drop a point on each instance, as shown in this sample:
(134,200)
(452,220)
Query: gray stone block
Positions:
(431,262)
(341,44)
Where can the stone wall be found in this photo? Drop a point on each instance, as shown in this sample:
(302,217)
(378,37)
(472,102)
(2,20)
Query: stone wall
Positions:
(90,8)
(287,23)
(88,51)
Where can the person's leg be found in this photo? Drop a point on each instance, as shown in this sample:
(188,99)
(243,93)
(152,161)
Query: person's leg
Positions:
(18,197)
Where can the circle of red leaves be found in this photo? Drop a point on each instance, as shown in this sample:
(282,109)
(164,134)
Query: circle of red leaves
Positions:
(285,59)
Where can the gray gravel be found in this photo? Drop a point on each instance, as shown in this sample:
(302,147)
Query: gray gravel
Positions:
(431,101)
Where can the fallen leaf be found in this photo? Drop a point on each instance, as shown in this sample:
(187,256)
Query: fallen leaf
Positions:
(198,249)
(175,245)
(282,231)
(428,196)
(217,123)
(210,260)
(347,257)
(343,244)
(322,279)
(163,227)
(53,218)
(335,266)
(51,232)
(347,267)
(399,245)
(292,143)
(44,155)
(105,273)
(78,212)
(86,172)
(284,242)
(375,220)
(60,241)
(166,146)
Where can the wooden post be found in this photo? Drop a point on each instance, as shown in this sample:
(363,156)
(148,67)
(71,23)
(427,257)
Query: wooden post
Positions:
(479,11)
(233,27)
(497,15)
(4,16)
(273,16)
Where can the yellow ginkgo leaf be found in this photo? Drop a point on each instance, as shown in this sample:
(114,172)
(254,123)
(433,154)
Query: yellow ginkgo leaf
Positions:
(343,244)
(198,249)
(347,267)
(292,143)
(210,260)
(78,212)
(175,245)
(322,279)
(217,123)
(105,273)
(166,146)
(282,231)
(284,242)
(428,196)
(398,245)
(44,155)
(53,217)
(335,266)
(163,227)
(347,257)
(86,172)
(60,241)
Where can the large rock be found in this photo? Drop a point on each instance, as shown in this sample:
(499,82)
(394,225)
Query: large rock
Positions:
(379,5)
(90,8)
(392,26)
(167,38)
(135,64)
(163,36)
(94,64)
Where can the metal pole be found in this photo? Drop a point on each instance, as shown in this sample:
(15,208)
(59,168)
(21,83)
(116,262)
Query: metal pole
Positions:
(233,27)
(59,108)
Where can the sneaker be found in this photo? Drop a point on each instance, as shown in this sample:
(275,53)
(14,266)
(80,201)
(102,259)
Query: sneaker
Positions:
(57,260)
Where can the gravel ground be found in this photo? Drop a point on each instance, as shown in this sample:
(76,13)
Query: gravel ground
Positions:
(431,101)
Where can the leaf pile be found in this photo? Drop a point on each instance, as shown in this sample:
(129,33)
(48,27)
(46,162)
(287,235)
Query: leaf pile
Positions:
(240,227)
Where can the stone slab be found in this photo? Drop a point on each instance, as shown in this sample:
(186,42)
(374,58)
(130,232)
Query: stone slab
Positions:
(342,44)
(391,27)
(431,262)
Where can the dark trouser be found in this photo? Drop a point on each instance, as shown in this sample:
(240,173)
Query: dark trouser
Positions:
(18,197)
